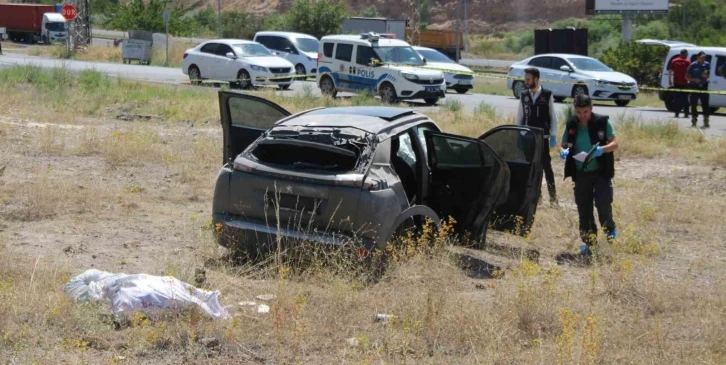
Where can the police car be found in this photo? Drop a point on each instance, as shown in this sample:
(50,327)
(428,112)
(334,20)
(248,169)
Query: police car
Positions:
(388,67)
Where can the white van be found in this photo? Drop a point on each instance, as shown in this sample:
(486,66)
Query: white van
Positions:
(388,67)
(53,28)
(300,49)
(716,56)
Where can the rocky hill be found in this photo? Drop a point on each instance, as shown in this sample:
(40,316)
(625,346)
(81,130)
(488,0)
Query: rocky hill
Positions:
(485,16)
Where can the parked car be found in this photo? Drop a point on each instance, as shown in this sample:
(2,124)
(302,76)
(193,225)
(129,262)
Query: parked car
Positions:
(716,56)
(360,174)
(300,49)
(236,59)
(384,66)
(569,75)
(458,77)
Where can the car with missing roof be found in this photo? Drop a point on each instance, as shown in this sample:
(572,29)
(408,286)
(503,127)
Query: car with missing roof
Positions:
(241,62)
(360,175)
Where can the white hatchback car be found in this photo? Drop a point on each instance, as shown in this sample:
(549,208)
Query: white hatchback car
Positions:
(300,49)
(235,59)
(458,77)
(567,75)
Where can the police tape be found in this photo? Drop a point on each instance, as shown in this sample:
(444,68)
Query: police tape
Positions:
(589,83)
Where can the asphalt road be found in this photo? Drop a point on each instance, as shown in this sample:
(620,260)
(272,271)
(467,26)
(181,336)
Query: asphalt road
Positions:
(506,105)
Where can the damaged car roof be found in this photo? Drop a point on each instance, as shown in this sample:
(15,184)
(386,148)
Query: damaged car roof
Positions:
(370,119)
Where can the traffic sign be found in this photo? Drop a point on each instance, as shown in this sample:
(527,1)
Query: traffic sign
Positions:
(69,12)
(166,15)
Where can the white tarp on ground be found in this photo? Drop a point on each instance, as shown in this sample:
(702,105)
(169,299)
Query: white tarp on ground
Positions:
(143,293)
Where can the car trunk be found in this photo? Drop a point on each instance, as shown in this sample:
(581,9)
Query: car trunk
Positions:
(310,179)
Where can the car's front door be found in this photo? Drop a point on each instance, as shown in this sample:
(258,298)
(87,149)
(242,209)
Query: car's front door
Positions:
(244,119)
(467,180)
(227,68)
(521,148)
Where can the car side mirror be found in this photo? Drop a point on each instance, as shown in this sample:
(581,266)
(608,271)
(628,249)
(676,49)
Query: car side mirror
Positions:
(231,55)
(565,68)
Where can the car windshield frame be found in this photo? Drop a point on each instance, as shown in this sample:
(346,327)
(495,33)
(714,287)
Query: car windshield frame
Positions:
(387,55)
(301,47)
(240,49)
(588,62)
(439,57)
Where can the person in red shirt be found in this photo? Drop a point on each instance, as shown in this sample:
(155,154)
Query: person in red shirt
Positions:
(677,80)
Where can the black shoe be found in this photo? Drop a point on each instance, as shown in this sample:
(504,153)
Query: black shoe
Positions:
(694,123)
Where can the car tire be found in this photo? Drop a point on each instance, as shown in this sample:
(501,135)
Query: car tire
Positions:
(284,87)
(45,40)
(622,103)
(299,69)
(517,89)
(579,89)
(460,90)
(327,86)
(387,93)
(245,80)
(194,75)
(431,101)
(559,99)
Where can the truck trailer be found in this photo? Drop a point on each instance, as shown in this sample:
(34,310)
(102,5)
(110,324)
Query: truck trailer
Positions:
(31,23)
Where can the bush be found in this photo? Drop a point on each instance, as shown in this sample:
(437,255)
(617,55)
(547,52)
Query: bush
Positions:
(317,18)
(643,63)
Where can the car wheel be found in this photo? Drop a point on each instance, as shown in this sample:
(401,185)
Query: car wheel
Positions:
(622,103)
(669,102)
(387,93)
(245,80)
(579,90)
(460,91)
(45,40)
(517,89)
(194,75)
(283,87)
(431,101)
(327,87)
(299,69)
(559,99)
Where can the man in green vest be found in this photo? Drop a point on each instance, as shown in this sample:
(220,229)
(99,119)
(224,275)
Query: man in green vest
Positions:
(587,147)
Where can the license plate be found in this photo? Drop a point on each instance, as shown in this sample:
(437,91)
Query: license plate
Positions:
(625,97)
(433,89)
(464,82)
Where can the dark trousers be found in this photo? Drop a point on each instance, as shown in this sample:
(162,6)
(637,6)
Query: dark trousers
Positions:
(549,174)
(589,188)
(703,97)
(680,100)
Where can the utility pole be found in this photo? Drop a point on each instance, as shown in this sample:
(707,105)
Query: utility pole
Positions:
(466,28)
(219,17)
(627,27)
(458,29)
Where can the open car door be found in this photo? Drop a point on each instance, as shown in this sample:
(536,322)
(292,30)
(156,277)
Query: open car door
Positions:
(244,119)
(468,180)
(520,147)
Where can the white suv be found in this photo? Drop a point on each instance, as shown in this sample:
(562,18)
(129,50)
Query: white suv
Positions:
(235,59)
(390,68)
(300,49)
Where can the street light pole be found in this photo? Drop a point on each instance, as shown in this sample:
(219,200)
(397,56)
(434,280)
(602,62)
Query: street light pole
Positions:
(219,17)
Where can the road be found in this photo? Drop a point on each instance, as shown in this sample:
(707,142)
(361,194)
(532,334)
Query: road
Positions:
(505,105)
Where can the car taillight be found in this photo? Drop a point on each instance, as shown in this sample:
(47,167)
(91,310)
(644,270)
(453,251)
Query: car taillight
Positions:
(185,55)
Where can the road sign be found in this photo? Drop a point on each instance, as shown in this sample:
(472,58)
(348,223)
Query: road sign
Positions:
(166,15)
(69,12)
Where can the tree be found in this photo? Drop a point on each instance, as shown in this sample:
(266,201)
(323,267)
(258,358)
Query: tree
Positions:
(239,25)
(643,63)
(135,15)
(370,12)
(317,18)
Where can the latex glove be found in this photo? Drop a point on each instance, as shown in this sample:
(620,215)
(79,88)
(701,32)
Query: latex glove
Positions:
(564,153)
(553,141)
(598,152)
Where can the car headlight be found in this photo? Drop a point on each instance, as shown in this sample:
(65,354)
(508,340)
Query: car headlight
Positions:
(258,68)
(601,83)
(409,76)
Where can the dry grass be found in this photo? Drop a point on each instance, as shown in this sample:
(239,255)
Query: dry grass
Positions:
(109,53)
(72,197)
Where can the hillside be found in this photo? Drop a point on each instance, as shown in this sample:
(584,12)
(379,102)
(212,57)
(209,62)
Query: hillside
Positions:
(485,16)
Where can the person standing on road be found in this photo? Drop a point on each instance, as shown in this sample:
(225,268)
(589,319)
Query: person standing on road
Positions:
(593,177)
(677,80)
(536,109)
(697,76)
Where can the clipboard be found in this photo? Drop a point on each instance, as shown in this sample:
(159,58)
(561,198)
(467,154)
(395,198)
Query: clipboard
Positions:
(588,159)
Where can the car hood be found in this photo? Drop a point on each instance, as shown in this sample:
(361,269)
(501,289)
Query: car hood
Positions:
(267,61)
(448,67)
(418,71)
(611,76)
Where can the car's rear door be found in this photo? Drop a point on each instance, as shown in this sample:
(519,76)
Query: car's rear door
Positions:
(467,180)
(244,119)
(521,148)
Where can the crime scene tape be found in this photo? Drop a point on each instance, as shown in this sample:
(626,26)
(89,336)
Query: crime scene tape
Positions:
(488,75)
